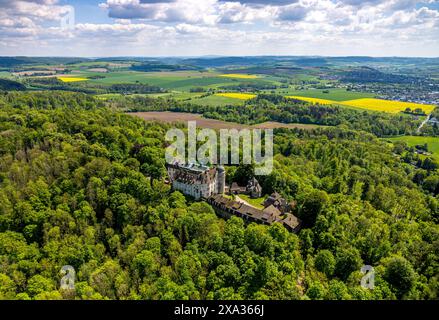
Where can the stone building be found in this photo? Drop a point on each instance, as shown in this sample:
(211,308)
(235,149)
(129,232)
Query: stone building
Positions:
(226,208)
(197,181)
(253,188)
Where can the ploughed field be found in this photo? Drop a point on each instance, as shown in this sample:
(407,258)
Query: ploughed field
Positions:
(171,117)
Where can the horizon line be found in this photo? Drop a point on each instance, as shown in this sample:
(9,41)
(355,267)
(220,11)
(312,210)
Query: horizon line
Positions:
(213,56)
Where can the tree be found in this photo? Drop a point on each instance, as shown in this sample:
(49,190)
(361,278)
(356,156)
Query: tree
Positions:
(401,276)
(311,207)
(325,262)
(39,284)
(347,261)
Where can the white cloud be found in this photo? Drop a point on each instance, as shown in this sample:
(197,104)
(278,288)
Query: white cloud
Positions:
(151,27)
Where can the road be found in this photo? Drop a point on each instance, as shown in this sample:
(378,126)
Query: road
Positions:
(423,123)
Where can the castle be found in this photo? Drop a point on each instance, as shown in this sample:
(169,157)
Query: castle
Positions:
(196,180)
(202,182)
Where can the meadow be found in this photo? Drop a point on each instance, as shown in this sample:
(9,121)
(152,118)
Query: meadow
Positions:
(177,80)
(432,143)
(216,100)
(337,94)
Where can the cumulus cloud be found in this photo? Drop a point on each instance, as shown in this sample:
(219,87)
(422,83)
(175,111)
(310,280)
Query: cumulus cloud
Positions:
(263,2)
(292,13)
(228,26)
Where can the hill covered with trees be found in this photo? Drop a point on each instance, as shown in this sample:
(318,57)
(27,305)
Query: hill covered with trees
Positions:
(81,184)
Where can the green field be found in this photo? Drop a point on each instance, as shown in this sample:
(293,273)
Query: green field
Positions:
(5,75)
(333,94)
(180,80)
(432,143)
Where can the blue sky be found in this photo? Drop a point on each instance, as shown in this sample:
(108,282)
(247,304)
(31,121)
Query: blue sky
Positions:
(220,27)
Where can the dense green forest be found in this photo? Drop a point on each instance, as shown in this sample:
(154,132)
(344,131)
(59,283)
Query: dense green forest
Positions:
(270,107)
(81,184)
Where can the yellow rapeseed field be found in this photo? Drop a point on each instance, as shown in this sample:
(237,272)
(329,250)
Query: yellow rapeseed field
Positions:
(312,100)
(71,79)
(236,95)
(387,105)
(239,76)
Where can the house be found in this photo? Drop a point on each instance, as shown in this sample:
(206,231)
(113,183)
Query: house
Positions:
(253,188)
(227,208)
(276,200)
(196,180)
(236,189)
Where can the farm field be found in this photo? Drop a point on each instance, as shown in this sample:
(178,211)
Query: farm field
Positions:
(216,100)
(239,76)
(312,100)
(182,81)
(72,79)
(170,117)
(328,94)
(236,95)
(387,105)
(432,143)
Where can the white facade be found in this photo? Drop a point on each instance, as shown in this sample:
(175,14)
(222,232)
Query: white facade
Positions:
(198,190)
(197,181)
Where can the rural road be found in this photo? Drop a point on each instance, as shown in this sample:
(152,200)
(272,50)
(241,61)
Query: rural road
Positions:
(423,123)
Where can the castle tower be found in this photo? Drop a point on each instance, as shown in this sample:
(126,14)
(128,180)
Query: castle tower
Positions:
(221,180)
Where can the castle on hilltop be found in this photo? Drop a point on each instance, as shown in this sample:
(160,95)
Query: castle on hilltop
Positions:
(209,183)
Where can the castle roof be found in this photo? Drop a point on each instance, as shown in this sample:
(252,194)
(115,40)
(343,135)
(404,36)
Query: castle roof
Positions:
(268,215)
(192,173)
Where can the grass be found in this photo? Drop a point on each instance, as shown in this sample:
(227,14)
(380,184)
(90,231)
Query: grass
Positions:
(327,94)
(387,105)
(257,203)
(72,79)
(236,95)
(432,143)
(216,100)
(312,100)
(239,76)
(107,96)
(5,75)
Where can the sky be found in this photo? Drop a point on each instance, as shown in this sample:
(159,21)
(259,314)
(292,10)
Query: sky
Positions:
(219,27)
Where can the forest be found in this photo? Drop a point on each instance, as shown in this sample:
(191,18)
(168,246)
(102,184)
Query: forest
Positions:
(82,184)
